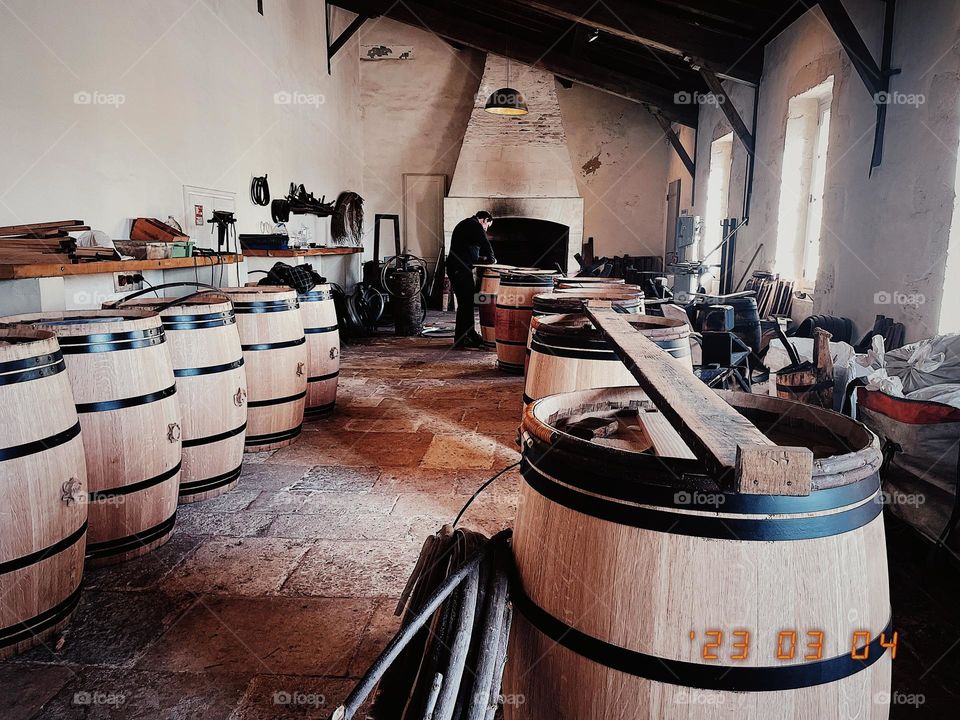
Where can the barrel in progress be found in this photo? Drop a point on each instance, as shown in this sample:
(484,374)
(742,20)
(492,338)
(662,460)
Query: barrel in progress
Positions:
(586,281)
(623,299)
(489,277)
(119,366)
(568,353)
(275,357)
(319,316)
(43,487)
(646,591)
(514,310)
(211,387)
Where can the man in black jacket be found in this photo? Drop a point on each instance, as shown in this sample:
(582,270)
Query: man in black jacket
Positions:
(468,246)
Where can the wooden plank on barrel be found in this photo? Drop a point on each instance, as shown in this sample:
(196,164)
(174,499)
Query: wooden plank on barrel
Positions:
(774,470)
(666,441)
(713,430)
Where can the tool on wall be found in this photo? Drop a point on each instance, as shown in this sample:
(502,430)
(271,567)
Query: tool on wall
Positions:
(260,191)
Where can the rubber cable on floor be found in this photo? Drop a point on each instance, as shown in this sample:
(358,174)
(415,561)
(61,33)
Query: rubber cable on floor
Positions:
(480,489)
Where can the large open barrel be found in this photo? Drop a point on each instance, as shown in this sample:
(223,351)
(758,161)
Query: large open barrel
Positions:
(623,299)
(489,282)
(319,316)
(586,281)
(120,369)
(647,591)
(275,356)
(211,387)
(43,487)
(514,310)
(567,353)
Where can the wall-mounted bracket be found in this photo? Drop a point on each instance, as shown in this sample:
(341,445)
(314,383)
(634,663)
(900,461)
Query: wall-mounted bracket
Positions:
(875,77)
(726,106)
(260,6)
(674,139)
(334,47)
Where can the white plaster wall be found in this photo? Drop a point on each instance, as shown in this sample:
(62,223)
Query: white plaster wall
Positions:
(198,81)
(884,234)
(621,161)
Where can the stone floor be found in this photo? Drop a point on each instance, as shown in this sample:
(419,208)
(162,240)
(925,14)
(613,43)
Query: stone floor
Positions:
(270,601)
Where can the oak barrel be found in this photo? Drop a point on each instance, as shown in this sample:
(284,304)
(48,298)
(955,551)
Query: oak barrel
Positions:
(319,316)
(275,356)
(43,487)
(587,281)
(489,281)
(119,366)
(567,353)
(211,387)
(623,299)
(514,310)
(647,591)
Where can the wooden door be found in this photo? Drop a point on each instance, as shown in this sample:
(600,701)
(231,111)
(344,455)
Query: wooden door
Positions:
(422,219)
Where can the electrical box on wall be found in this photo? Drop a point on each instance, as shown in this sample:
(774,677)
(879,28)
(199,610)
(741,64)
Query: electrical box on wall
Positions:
(127,282)
(688,230)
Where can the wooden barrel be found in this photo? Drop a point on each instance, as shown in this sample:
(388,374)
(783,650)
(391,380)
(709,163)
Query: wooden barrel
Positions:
(275,356)
(647,592)
(319,316)
(120,369)
(211,387)
(43,488)
(567,353)
(514,310)
(489,276)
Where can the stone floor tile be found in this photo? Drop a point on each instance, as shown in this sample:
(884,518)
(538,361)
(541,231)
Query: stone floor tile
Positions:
(293,697)
(298,636)
(145,572)
(383,625)
(333,478)
(463,450)
(237,566)
(347,568)
(25,689)
(237,524)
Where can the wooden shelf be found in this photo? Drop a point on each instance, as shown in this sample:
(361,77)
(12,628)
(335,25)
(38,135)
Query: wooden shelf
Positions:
(339,250)
(38,270)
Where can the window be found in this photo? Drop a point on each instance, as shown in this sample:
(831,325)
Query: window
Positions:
(802,180)
(718,186)
(950,300)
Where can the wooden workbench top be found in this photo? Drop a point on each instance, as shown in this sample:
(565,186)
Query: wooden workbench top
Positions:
(338,250)
(38,270)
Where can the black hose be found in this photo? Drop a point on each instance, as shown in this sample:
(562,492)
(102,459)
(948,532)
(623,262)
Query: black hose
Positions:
(363,688)
(260,191)
(164,286)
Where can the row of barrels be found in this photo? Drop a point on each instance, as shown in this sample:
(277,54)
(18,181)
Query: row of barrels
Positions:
(111,418)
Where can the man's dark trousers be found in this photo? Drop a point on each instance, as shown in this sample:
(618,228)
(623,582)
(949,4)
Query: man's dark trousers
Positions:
(463,289)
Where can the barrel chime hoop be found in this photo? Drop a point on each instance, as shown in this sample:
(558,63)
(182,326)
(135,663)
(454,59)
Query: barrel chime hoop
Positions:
(321,378)
(209,439)
(99,495)
(274,437)
(725,678)
(195,487)
(706,526)
(197,322)
(267,306)
(35,446)
(131,542)
(27,629)
(111,342)
(274,346)
(123,403)
(209,370)
(44,553)
(318,330)
(320,409)
(276,401)
(315,296)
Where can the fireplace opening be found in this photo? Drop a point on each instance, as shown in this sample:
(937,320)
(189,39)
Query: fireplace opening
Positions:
(529,242)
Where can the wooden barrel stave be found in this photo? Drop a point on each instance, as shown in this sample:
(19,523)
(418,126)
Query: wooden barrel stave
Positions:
(319,316)
(211,388)
(514,310)
(43,484)
(122,377)
(760,563)
(275,356)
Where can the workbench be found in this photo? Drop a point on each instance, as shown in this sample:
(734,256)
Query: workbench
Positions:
(334,263)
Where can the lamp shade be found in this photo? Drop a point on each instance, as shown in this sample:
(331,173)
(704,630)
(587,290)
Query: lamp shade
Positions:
(506,101)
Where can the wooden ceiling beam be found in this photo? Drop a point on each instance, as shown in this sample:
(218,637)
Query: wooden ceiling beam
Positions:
(729,55)
(482,36)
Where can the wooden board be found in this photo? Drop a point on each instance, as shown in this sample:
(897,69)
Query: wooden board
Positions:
(16,271)
(714,431)
(29,228)
(249,252)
